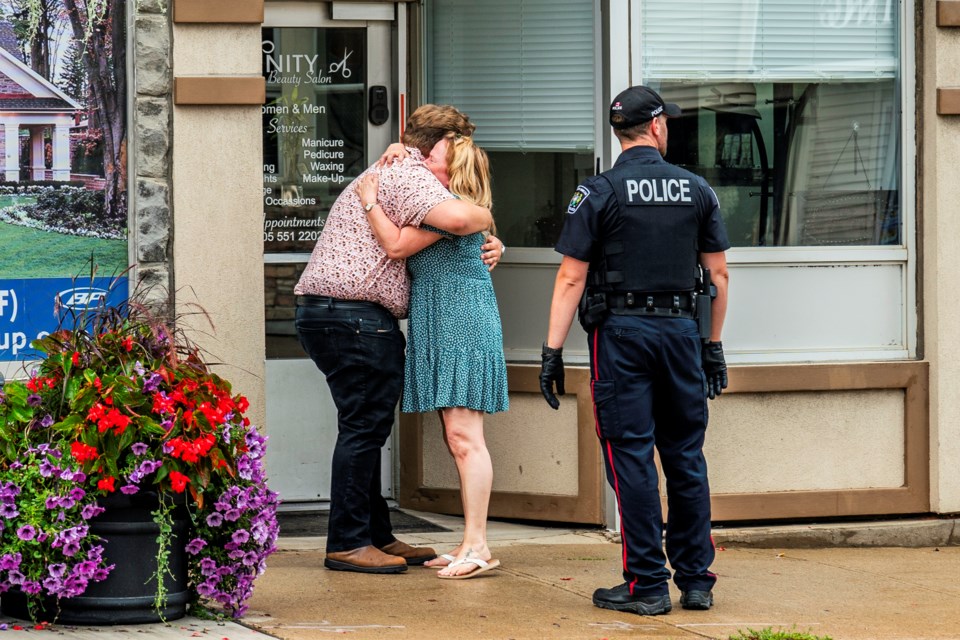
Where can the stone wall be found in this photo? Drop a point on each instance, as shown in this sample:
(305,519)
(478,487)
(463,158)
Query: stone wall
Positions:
(150,133)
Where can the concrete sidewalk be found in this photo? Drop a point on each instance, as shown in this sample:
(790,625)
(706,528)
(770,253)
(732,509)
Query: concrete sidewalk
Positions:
(544,588)
(548,575)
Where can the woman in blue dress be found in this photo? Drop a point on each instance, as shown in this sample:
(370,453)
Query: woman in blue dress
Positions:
(455,363)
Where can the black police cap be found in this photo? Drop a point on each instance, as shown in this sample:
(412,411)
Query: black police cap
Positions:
(637,105)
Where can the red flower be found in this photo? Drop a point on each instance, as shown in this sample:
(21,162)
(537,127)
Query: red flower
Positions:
(75,359)
(178,481)
(114,420)
(243,404)
(106,484)
(213,415)
(128,343)
(163,405)
(83,452)
(96,412)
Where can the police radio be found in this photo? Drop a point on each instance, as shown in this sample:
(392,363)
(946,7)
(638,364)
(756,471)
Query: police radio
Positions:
(706,292)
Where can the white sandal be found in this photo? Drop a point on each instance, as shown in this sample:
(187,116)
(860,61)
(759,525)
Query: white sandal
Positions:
(482,566)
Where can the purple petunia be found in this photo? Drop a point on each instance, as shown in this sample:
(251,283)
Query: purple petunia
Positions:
(10,561)
(90,511)
(30,586)
(208,566)
(213,520)
(139,448)
(27,532)
(34,400)
(47,421)
(195,546)
(151,383)
(129,489)
(57,570)
(8,510)
(47,469)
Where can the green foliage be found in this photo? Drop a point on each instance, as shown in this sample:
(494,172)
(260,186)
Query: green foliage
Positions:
(73,75)
(76,210)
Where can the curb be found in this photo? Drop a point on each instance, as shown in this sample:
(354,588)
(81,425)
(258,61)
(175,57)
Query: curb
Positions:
(897,533)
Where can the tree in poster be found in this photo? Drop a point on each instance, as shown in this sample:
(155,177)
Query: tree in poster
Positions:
(99,27)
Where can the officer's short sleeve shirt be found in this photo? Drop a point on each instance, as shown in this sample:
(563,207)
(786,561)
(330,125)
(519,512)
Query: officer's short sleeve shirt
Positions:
(594,203)
(583,227)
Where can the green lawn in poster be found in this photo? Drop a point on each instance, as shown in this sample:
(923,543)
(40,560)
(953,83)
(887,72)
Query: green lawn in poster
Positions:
(31,253)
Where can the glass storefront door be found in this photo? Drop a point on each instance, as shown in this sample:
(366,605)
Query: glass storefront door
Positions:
(319,133)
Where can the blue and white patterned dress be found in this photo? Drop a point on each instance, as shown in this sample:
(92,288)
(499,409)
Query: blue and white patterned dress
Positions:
(455,341)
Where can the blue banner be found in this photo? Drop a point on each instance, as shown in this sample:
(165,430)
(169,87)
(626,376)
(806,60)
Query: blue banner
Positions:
(27,308)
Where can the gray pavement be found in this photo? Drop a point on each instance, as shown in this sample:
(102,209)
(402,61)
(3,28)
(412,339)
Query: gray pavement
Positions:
(543,589)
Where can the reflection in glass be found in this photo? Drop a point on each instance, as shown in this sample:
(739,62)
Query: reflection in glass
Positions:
(794,164)
(791,111)
(280,307)
(531,191)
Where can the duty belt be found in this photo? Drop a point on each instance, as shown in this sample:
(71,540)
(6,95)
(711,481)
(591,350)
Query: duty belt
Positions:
(637,303)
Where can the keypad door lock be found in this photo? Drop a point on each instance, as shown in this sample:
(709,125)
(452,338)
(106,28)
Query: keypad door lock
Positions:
(379,111)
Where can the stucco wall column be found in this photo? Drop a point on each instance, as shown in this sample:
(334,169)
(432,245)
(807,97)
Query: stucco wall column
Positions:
(218,207)
(11,137)
(37,164)
(940,191)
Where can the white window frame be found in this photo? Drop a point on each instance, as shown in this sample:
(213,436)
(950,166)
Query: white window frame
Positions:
(626,70)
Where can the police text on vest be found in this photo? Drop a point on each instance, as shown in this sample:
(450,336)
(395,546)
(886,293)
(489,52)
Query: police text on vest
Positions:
(657,190)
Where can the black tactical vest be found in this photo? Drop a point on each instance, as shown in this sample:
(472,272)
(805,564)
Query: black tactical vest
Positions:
(651,243)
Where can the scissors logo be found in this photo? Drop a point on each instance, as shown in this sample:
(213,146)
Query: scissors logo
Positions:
(341,67)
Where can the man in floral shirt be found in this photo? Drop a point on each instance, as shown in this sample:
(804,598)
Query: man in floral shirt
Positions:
(349,300)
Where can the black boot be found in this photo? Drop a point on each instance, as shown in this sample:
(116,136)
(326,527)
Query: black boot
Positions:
(619,598)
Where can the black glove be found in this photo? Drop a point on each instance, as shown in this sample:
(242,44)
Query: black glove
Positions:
(711,355)
(551,371)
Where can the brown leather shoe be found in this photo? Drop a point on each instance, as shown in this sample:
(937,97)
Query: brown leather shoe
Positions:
(413,555)
(367,559)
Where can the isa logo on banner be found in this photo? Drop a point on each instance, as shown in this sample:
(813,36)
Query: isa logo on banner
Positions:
(27,309)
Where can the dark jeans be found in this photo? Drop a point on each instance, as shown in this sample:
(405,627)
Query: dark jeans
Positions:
(359,348)
(648,391)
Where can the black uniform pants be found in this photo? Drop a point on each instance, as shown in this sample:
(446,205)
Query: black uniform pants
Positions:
(359,348)
(648,391)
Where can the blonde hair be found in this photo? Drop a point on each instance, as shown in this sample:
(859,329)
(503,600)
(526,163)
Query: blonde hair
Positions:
(468,167)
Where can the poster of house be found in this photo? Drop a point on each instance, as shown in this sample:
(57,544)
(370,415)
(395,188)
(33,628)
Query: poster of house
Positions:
(63,193)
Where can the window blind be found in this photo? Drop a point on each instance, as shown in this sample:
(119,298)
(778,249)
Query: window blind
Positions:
(769,40)
(523,70)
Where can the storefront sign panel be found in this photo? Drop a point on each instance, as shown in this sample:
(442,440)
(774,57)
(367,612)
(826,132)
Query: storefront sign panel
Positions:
(29,309)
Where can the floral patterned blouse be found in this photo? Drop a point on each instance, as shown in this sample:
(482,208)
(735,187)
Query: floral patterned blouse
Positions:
(348,262)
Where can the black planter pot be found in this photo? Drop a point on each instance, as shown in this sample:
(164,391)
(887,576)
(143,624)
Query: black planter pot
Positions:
(128,594)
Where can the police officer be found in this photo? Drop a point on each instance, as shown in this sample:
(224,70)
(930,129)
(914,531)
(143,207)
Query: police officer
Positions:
(636,244)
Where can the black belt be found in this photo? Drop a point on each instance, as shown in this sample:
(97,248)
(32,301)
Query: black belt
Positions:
(638,303)
(335,303)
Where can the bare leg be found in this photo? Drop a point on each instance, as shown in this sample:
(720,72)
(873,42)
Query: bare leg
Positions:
(440,561)
(464,435)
